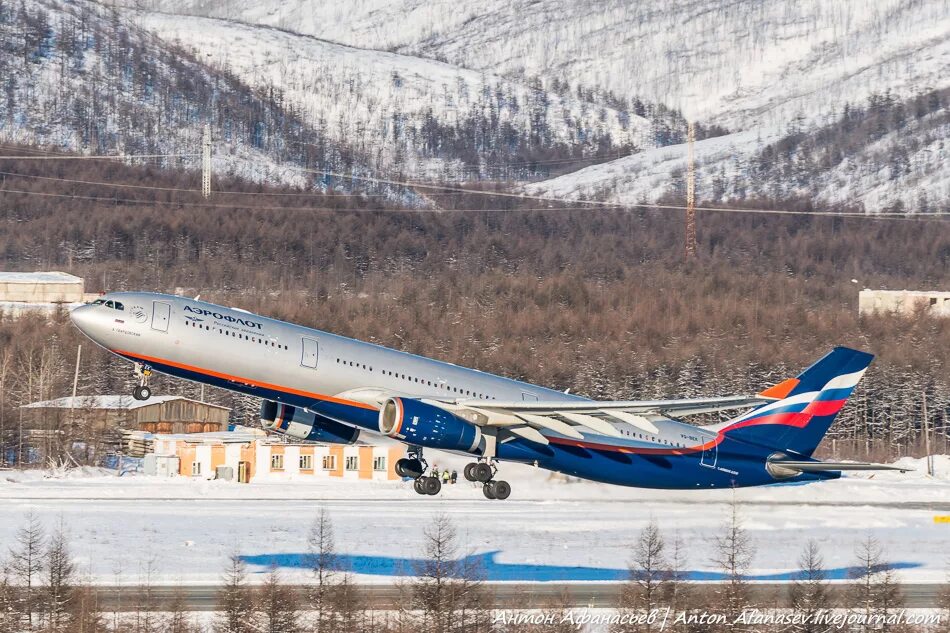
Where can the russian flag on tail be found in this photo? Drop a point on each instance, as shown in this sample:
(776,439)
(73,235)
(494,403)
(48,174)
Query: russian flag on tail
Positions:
(806,405)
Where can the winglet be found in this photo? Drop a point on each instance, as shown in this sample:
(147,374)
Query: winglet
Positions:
(781,390)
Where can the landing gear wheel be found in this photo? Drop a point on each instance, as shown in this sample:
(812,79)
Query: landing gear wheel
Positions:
(489,490)
(467,472)
(418,486)
(431,485)
(482,472)
(411,468)
(501,489)
(143,392)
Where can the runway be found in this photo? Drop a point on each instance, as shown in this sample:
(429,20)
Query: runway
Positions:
(548,534)
(504,595)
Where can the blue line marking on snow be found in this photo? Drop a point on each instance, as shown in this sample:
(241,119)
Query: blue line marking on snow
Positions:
(491,569)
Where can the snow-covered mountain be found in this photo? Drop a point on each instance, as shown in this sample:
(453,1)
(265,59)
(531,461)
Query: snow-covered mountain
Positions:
(886,155)
(763,70)
(731,63)
(444,90)
(399,110)
(77,77)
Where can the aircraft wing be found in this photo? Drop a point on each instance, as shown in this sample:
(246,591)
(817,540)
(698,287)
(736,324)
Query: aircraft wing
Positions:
(683,407)
(570,418)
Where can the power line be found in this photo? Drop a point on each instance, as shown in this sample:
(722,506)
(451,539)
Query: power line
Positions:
(605,206)
(99,157)
(118,185)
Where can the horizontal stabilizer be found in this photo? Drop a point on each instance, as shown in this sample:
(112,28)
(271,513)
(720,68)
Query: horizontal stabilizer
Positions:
(820,467)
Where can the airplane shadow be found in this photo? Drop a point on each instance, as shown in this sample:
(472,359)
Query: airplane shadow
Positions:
(493,570)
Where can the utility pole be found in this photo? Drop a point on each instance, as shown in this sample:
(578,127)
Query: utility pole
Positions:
(690,192)
(927,455)
(206,162)
(72,401)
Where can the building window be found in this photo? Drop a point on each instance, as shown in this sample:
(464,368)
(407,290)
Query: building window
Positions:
(195,468)
(277,462)
(352,462)
(329,462)
(379,463)
(306,462)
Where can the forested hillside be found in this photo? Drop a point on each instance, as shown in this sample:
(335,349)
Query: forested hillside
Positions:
(77,76)
(424,117)
(81,76)
(882,154)
(597,301)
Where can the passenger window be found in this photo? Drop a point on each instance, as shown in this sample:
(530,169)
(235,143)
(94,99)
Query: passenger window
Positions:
(119,306)
(109,304)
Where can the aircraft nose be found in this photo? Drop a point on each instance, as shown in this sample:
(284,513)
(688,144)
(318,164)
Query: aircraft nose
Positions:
(83,318)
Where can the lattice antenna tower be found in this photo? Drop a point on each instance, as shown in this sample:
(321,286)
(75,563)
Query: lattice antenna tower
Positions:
(690,191)
(206,162)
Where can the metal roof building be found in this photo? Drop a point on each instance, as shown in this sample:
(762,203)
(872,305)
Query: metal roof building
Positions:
(158,414)
(41,287)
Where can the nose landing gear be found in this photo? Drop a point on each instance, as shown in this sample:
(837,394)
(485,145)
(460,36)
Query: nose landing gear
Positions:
(143,391)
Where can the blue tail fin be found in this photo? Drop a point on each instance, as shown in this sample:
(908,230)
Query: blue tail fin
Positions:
(805,407)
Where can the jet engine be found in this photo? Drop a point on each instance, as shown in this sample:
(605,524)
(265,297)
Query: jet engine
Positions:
(427,425)
(303,425)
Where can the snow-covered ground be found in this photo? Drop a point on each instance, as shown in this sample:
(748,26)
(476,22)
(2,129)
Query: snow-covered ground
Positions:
(549,529)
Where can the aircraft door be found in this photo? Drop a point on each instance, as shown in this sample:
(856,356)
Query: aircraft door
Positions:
(711,453)
(161,313)
(527,396)
(309,353)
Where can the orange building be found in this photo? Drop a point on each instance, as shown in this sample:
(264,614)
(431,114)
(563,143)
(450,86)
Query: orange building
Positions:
(247,456)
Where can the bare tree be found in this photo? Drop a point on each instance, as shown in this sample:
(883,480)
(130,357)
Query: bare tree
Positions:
(86,616)
(146,616)
(278,606)
(875,592)
(235,604)
(26,565)
(649,584)
(9,617)
(175,619)
(446,595)
(60,581)
(808,592)
(323,561)
(733,553)
(347,606)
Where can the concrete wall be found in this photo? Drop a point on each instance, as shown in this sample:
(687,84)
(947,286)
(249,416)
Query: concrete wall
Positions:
(50,287)
(259,455)
(904,302)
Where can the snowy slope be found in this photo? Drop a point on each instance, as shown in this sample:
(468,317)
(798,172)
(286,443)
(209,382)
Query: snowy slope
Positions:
(379,102)
(758,69)
(902,170)
(75,79)
(734,63)
(647,176)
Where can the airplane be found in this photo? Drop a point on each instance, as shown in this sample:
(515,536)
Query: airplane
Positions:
(321,387)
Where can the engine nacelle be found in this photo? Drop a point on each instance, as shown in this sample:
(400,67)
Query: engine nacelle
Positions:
(303,425)
(422,424)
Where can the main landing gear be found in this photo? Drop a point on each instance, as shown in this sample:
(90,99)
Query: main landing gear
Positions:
(485,472)
(414,466)
(143,391)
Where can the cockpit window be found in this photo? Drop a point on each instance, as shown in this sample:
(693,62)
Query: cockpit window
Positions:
(115,305)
